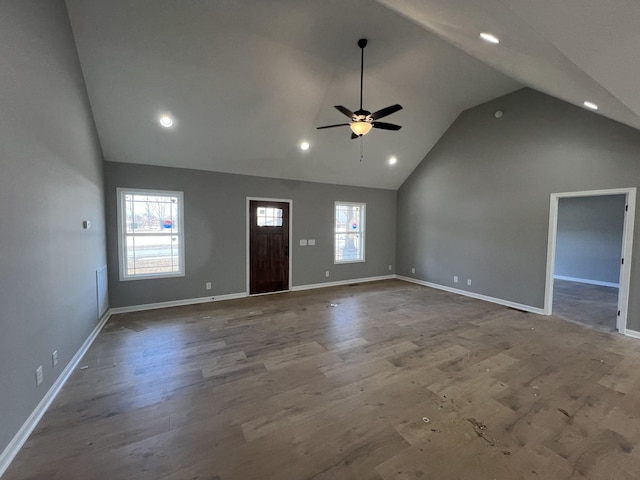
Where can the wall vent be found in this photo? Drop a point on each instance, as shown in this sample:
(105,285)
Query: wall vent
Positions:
(102,291)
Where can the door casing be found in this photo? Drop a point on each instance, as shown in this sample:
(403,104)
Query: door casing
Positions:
(248,240)
(627,244)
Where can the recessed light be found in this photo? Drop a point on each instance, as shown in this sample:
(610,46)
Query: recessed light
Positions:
(304,146)
(393,160)
(166,121)
(489,37)
(590,105)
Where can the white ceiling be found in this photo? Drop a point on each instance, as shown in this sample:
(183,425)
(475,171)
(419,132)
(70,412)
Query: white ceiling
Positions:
(248,80)
(575,50)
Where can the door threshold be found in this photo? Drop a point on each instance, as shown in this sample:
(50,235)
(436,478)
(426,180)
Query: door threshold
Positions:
(268,293)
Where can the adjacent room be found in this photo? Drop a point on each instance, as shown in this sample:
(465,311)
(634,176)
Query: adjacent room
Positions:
(290,239)
(588,259)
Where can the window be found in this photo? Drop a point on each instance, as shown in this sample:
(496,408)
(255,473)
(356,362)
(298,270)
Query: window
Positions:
(269,217)
(150,234)
(349,232)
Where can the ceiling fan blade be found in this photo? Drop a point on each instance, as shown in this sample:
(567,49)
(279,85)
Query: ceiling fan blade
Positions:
(354,136)
(386,111)
(331,126)
(345,111)
(386,126)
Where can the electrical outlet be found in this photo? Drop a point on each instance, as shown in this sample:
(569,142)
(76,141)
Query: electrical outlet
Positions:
(326,274)
(39,375)
(469,281)
(455,279)
(54,358)
(413,270)
(207,285)
(389,267)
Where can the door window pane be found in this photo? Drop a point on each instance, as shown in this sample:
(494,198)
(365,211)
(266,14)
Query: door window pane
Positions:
(269,217)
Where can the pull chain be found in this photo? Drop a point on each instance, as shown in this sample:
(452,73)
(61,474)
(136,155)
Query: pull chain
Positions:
(361,148)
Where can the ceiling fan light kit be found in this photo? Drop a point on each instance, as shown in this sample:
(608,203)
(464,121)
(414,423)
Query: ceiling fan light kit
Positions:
(361,128)
(362,121)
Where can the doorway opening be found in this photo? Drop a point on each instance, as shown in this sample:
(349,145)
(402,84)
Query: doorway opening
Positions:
(589,257)
(268,240)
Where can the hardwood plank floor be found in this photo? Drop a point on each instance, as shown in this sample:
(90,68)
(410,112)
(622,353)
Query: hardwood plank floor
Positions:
(592,305)
(397,381)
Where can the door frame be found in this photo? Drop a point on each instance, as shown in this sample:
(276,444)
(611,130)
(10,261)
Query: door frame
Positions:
(627,245)
(248,239)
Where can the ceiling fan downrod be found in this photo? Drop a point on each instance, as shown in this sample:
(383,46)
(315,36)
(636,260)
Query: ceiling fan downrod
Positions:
(362,43)
(362,121)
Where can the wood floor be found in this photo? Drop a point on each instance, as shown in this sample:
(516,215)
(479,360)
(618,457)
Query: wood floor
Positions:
(592,305)
(378,381)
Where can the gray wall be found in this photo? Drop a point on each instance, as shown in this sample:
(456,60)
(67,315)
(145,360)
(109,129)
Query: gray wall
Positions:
(478,205)
(589,237)
(50,181)
(215,231)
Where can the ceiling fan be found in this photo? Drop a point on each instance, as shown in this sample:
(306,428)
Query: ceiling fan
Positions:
(362,121)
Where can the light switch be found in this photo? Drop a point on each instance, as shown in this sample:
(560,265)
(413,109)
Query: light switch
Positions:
(303,243)
(312,242)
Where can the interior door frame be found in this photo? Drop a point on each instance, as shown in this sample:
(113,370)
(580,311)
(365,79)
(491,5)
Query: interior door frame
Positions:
(627,245)
(248,239)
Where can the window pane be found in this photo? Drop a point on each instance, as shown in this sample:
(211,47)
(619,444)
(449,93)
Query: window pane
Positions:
(152,254)
(151,234)
(269,217)
(152,213)
(130,217)
(348,247)
(349,232)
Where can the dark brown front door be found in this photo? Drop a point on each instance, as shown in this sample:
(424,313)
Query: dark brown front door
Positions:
(268,246)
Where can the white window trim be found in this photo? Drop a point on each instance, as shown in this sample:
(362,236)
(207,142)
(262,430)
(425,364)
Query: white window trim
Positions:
(121,229)
(363,231)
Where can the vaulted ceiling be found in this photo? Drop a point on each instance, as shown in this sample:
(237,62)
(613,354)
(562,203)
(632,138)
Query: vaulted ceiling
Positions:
(247,81)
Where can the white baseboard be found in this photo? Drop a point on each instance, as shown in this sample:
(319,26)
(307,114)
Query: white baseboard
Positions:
(631,333)
(30,424)
(586,280)
(341,282)
(231,296)
(177,303)
(499,301)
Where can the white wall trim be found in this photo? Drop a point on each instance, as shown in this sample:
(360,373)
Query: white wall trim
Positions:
(627,244)
(32,421)
(595,193)
(627,250)
(506,303)
(363,231)
(232,296)
(247,237)
(177,303)
(632,333)
(121,224)
(479,296)
(587,280)
(338,283)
